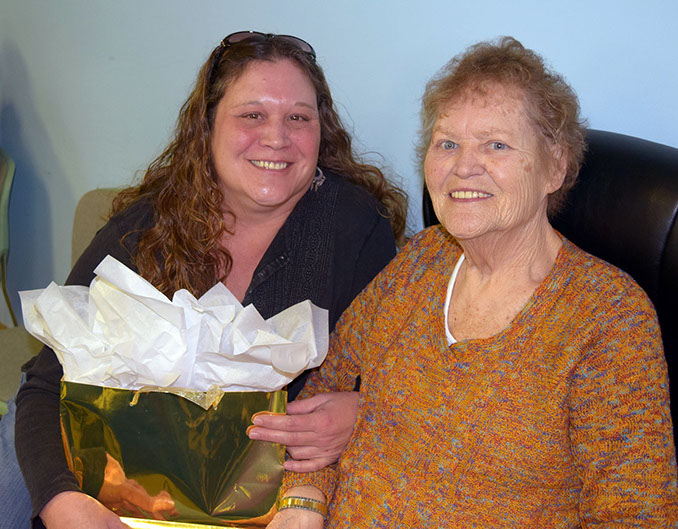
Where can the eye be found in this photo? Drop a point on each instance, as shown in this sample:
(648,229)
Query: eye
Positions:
(298,117)
(498,146)
(448,145)
(251,115)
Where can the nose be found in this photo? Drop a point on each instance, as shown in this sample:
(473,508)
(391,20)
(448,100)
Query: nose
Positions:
(275,134)
(467,163)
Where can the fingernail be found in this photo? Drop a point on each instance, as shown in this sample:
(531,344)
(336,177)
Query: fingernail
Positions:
(257,420)
(253,433)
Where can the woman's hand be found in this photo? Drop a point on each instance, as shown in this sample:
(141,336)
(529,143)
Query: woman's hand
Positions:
(77,510)
(120,493)
(315,430)
(299,518)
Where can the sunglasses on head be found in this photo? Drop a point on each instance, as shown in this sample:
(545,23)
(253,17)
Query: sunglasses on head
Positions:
(256,36)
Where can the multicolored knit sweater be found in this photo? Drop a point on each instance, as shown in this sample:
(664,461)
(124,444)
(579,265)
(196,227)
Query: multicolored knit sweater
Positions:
(560,420)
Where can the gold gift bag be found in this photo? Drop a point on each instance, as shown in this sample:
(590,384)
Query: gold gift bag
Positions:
(215,475)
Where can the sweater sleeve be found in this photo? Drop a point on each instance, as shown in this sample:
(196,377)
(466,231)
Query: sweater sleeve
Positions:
(620,424)
(338,373)
(348,352)
(38,441)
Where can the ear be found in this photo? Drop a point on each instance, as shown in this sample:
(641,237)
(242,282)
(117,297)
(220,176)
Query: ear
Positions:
(558,168)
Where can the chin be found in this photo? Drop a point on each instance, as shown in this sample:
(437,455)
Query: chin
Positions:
(275,199)
(269,203)
(278,196)
(462,229)
(461,235)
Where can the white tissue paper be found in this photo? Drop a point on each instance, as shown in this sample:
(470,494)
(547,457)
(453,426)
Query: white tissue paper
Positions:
(122,332)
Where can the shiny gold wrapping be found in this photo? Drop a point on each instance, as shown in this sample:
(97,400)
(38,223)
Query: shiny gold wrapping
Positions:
(215,475)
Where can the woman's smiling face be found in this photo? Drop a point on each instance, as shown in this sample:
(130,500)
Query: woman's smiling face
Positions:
(266,138)
(487,168)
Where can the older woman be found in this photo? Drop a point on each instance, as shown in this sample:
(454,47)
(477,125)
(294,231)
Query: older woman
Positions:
(259,189)
(509,379)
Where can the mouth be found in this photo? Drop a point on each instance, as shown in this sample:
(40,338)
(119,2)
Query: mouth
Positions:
(265,164)
(467,195)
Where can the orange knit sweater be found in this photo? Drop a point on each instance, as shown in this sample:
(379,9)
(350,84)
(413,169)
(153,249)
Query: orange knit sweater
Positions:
(560,420)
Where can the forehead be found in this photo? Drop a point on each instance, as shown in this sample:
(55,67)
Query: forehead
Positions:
(490,102)
(280,77)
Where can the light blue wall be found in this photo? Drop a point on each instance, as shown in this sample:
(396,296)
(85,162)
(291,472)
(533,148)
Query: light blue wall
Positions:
(89,89)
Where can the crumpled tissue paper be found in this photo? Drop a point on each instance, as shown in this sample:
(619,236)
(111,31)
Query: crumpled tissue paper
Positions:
(122,332)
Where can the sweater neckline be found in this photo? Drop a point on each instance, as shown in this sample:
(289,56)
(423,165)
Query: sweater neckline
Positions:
(540,300)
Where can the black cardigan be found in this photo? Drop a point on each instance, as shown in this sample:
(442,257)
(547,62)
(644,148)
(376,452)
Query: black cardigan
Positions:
(332,244)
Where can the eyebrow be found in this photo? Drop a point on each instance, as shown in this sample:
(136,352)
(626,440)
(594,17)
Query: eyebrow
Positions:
(483,133)
(296,104)
(492,132)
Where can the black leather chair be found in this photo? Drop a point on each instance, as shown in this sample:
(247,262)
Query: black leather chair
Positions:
(624,209)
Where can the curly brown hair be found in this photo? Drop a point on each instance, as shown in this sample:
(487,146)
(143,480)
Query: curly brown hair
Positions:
(182,249)
(551,104)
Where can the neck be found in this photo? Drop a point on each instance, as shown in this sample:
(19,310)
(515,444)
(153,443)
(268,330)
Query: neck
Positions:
(251,236)
(528,253)
(240,218)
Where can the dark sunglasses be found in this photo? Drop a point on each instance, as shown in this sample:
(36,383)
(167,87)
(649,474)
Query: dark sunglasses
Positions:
(256,36)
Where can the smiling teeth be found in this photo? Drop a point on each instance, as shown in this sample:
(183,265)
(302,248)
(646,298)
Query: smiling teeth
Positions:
(269,165)
(469,194)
